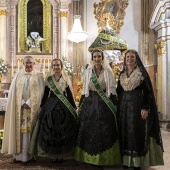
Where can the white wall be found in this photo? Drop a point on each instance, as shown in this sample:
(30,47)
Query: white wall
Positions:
(90,26)
(130,31)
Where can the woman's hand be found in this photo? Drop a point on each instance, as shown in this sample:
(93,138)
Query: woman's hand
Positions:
(144,114)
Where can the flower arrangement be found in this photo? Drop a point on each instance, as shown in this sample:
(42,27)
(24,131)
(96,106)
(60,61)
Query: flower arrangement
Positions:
(68,68)
(3,67)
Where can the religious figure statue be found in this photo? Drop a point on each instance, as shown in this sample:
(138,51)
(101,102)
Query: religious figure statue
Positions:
(33,42)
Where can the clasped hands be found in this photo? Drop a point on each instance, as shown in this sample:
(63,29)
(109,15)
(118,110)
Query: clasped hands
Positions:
(144,114)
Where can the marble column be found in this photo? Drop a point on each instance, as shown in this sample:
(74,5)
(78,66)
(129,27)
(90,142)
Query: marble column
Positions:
(163,76)
(12,39)
(3,28)
(160,22)
(63,33)
(55,32)
(161,52)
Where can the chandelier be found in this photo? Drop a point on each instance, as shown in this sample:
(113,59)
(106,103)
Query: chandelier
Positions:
(77,34)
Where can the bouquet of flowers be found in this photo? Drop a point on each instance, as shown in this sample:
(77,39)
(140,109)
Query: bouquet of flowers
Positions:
(3,67)
(68,68)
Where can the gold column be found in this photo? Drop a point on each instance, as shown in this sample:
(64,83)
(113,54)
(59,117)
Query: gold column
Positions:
(63,33)
(160,47)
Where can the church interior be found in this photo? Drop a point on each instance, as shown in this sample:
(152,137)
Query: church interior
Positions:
(72,29)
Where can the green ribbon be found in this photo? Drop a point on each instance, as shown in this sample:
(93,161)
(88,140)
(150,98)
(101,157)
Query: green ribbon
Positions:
(103,96)
(61,96)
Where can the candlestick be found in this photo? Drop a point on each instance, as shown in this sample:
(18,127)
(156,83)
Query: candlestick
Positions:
(48,65)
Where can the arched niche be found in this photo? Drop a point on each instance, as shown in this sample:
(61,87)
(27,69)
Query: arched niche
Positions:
(22,26)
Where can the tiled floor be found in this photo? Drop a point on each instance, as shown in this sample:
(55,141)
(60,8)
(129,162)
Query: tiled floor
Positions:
(166,143)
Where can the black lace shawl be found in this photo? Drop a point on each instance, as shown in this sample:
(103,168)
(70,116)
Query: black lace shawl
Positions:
(153,128)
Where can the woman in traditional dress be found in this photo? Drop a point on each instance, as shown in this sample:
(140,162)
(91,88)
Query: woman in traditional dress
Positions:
(97,141)
(140,136)
(55,133)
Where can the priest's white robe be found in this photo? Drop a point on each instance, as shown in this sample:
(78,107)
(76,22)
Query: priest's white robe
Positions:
(15,138)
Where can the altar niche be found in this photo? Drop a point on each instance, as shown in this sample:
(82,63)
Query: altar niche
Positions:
(34,27)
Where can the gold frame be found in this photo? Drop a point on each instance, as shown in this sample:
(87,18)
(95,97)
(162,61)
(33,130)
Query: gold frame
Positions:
(22,26)
(102,13)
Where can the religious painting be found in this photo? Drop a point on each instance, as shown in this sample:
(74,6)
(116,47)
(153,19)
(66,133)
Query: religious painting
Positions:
(111,10)
(111,7)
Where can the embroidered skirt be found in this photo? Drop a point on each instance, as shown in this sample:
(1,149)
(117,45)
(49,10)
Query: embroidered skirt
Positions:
(55,132)
(97,141)
(138,148)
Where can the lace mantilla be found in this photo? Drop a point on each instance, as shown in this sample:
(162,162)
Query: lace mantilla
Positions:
(131,82)
(101,82)
(108,78)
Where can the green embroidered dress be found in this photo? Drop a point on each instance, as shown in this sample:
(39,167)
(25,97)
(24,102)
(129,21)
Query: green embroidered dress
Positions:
(97,141)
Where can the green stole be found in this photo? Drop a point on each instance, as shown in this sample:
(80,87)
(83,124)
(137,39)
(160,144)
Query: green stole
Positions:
(61,96)
(103,96)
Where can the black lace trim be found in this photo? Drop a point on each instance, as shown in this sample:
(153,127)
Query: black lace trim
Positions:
(97,128)
(58,130)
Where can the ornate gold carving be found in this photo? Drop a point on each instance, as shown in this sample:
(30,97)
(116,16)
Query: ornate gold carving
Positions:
(38,60)
(160,47)
(47,24)
(3,12)
(63,14)
(22,23)
(113,10)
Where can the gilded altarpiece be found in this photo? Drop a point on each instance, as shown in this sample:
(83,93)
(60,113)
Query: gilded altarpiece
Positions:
(22,26)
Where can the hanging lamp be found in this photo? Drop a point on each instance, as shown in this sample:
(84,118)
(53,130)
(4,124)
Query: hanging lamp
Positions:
(77,34)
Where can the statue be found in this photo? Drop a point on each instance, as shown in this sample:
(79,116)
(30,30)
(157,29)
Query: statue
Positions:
(33,42)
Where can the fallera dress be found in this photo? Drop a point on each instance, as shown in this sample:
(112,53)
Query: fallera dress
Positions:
(55,132)
(140,140)
(97,141)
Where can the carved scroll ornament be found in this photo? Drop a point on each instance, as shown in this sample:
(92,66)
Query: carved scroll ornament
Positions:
(160,47)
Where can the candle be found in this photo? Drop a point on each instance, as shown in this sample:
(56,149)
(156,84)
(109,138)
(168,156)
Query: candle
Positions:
(44,68)
(18,65)
(48,65)
(12,71)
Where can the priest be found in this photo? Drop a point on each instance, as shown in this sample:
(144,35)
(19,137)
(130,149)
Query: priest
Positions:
(22,110)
